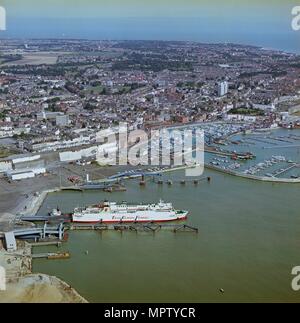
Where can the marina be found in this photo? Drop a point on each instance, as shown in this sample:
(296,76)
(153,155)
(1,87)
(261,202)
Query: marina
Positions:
(270,162)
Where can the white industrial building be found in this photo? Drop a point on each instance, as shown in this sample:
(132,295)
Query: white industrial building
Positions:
(240,117)
(19,174)
(25,159)
(56,145)
(5,166)
(91,152)
(68,156)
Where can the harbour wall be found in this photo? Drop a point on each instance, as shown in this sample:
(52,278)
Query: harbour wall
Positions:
(253,177)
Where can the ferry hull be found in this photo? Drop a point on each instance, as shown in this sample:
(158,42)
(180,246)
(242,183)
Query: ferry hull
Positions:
(121,219)
(128,221)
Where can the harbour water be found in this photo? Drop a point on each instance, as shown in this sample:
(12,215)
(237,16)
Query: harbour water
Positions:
(248,243)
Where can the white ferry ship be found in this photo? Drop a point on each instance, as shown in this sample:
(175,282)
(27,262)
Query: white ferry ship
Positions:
(111,212)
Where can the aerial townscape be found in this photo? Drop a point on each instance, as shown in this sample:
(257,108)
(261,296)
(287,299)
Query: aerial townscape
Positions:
(56,95)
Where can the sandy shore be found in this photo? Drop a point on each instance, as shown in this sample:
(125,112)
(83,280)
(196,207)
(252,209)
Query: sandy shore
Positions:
(39,288)
(24,287)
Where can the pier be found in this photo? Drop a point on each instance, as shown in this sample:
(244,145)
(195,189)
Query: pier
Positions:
(286,169)
(254,177)
(280,139)
(145,227)
(282,147)
(264,141)
(185,181)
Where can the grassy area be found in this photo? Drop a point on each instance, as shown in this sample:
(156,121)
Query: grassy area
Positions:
(247,111)
(6,152)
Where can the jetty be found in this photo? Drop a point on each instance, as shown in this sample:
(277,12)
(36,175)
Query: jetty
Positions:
(145,227)
(294,165)
(185,181)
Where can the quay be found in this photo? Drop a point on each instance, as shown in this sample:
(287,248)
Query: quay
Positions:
(254,177)
(43,218)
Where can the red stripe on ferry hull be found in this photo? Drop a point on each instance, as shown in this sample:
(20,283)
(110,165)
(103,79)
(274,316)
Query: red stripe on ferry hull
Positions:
(130,221)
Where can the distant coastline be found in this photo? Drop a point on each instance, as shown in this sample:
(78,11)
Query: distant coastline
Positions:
(275,48)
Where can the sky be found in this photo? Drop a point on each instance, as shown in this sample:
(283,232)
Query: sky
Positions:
(265,23)
(145,8)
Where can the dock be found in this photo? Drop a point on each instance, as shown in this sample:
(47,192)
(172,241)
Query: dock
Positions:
(282,147)
(185,181)
(145,227)
(44,218)
(52,255)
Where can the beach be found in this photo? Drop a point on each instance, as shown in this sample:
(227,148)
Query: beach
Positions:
(24,287)
(40,288)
